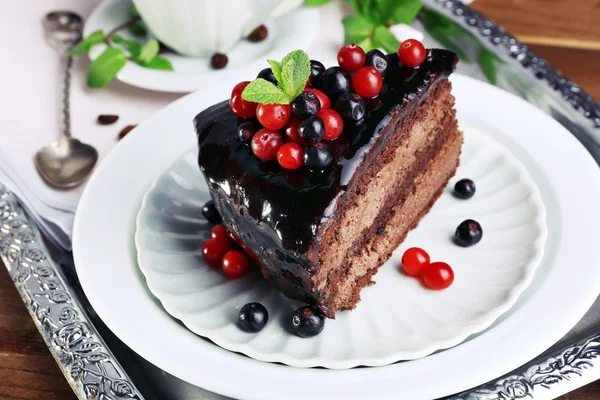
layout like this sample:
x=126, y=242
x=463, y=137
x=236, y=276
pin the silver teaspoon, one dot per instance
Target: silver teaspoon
x=67, y=162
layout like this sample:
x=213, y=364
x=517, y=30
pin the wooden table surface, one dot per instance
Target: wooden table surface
x=563, y=32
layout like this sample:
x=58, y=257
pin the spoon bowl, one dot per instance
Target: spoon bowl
x=66, y=163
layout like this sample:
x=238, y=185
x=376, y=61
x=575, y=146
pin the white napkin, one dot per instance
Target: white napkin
x=30, y=74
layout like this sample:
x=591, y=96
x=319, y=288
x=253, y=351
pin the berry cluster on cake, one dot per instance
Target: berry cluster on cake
x=320, y=173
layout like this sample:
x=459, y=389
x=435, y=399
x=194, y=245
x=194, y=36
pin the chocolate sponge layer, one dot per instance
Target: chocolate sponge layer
x=397, y=189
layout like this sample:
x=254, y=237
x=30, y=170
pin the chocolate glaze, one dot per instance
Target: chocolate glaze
x=279, y=214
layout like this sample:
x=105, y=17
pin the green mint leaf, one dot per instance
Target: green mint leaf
x=86, y=44
x=138, y=29
x=133, y=11
x=401, y=12
x=316, y=3
x=262, y=91
x=360, y=7
x=134, y=48
x=159, y=63
x=148, y=52
x=385, y=39
x=276, y=68
x=369, y=10
x=104, y=68
x=356, y=29
x=295, y=71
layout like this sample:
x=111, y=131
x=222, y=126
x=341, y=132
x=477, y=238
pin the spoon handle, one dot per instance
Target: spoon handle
x=66, y=98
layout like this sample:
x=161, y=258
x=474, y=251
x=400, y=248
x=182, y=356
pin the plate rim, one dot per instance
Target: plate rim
x=344, y=383
x=155, y=78
x=317, y=361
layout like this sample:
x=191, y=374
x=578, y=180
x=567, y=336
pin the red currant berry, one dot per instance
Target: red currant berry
x=235, y=264
x=334, y=125
x=239, y=106
x=367, y=82
x=323, y=99
x=219, y=232
x=273, y=116
x=414, y=260
x=265, y=144
x=438, y=276
x=213, y=250
x=351, y=57
x=291, y=132
x=411, y=53
x=290, y=156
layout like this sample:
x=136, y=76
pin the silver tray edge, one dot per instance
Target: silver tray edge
x=87, y=363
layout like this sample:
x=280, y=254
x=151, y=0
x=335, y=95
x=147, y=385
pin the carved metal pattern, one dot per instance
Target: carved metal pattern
x=87, y=363
x=568, y=364
x=502, y=42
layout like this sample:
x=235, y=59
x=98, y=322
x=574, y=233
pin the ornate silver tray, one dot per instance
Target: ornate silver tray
x=98, y=366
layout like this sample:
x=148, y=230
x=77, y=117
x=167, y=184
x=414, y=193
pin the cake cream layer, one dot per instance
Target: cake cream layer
x=389, y=181
x=283, y=216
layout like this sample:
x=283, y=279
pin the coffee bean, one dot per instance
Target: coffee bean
x=259, y=34
x=125, y=131
x=219, y=61
x=105, y=119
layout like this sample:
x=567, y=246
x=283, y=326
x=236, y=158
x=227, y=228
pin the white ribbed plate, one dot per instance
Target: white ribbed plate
x=397, y=319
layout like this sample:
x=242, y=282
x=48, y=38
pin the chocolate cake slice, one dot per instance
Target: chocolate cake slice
x=320, y=236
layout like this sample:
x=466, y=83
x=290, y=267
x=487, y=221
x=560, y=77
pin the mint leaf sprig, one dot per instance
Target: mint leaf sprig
x=369, y=28
x=291, y=74
x=104, y=68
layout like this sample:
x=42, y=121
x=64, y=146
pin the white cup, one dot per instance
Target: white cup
x=200, y=28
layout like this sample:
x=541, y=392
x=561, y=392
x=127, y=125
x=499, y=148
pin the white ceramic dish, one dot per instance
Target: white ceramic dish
x=564, y=286
x=397, y=319
x=295, y=30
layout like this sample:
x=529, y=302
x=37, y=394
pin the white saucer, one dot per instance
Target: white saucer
x=397, y=319
x=564, y=286
x=295, y=30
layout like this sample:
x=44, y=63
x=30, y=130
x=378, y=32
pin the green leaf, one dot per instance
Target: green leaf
x=356, y=29
x=138, y=29
x=263, y=91
x=405, y=13
x=133, y=11
x=148, y=52
x=447, y=32
x=316, y=3
x=134, y=48
x=86, y=44
x=374, y=13
x=159, y=63
x=385, y=39
x=104, y=68
x=488, y=62
x=276, y=68
x=395, y=12
x=295, y=71
x=357, y=5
